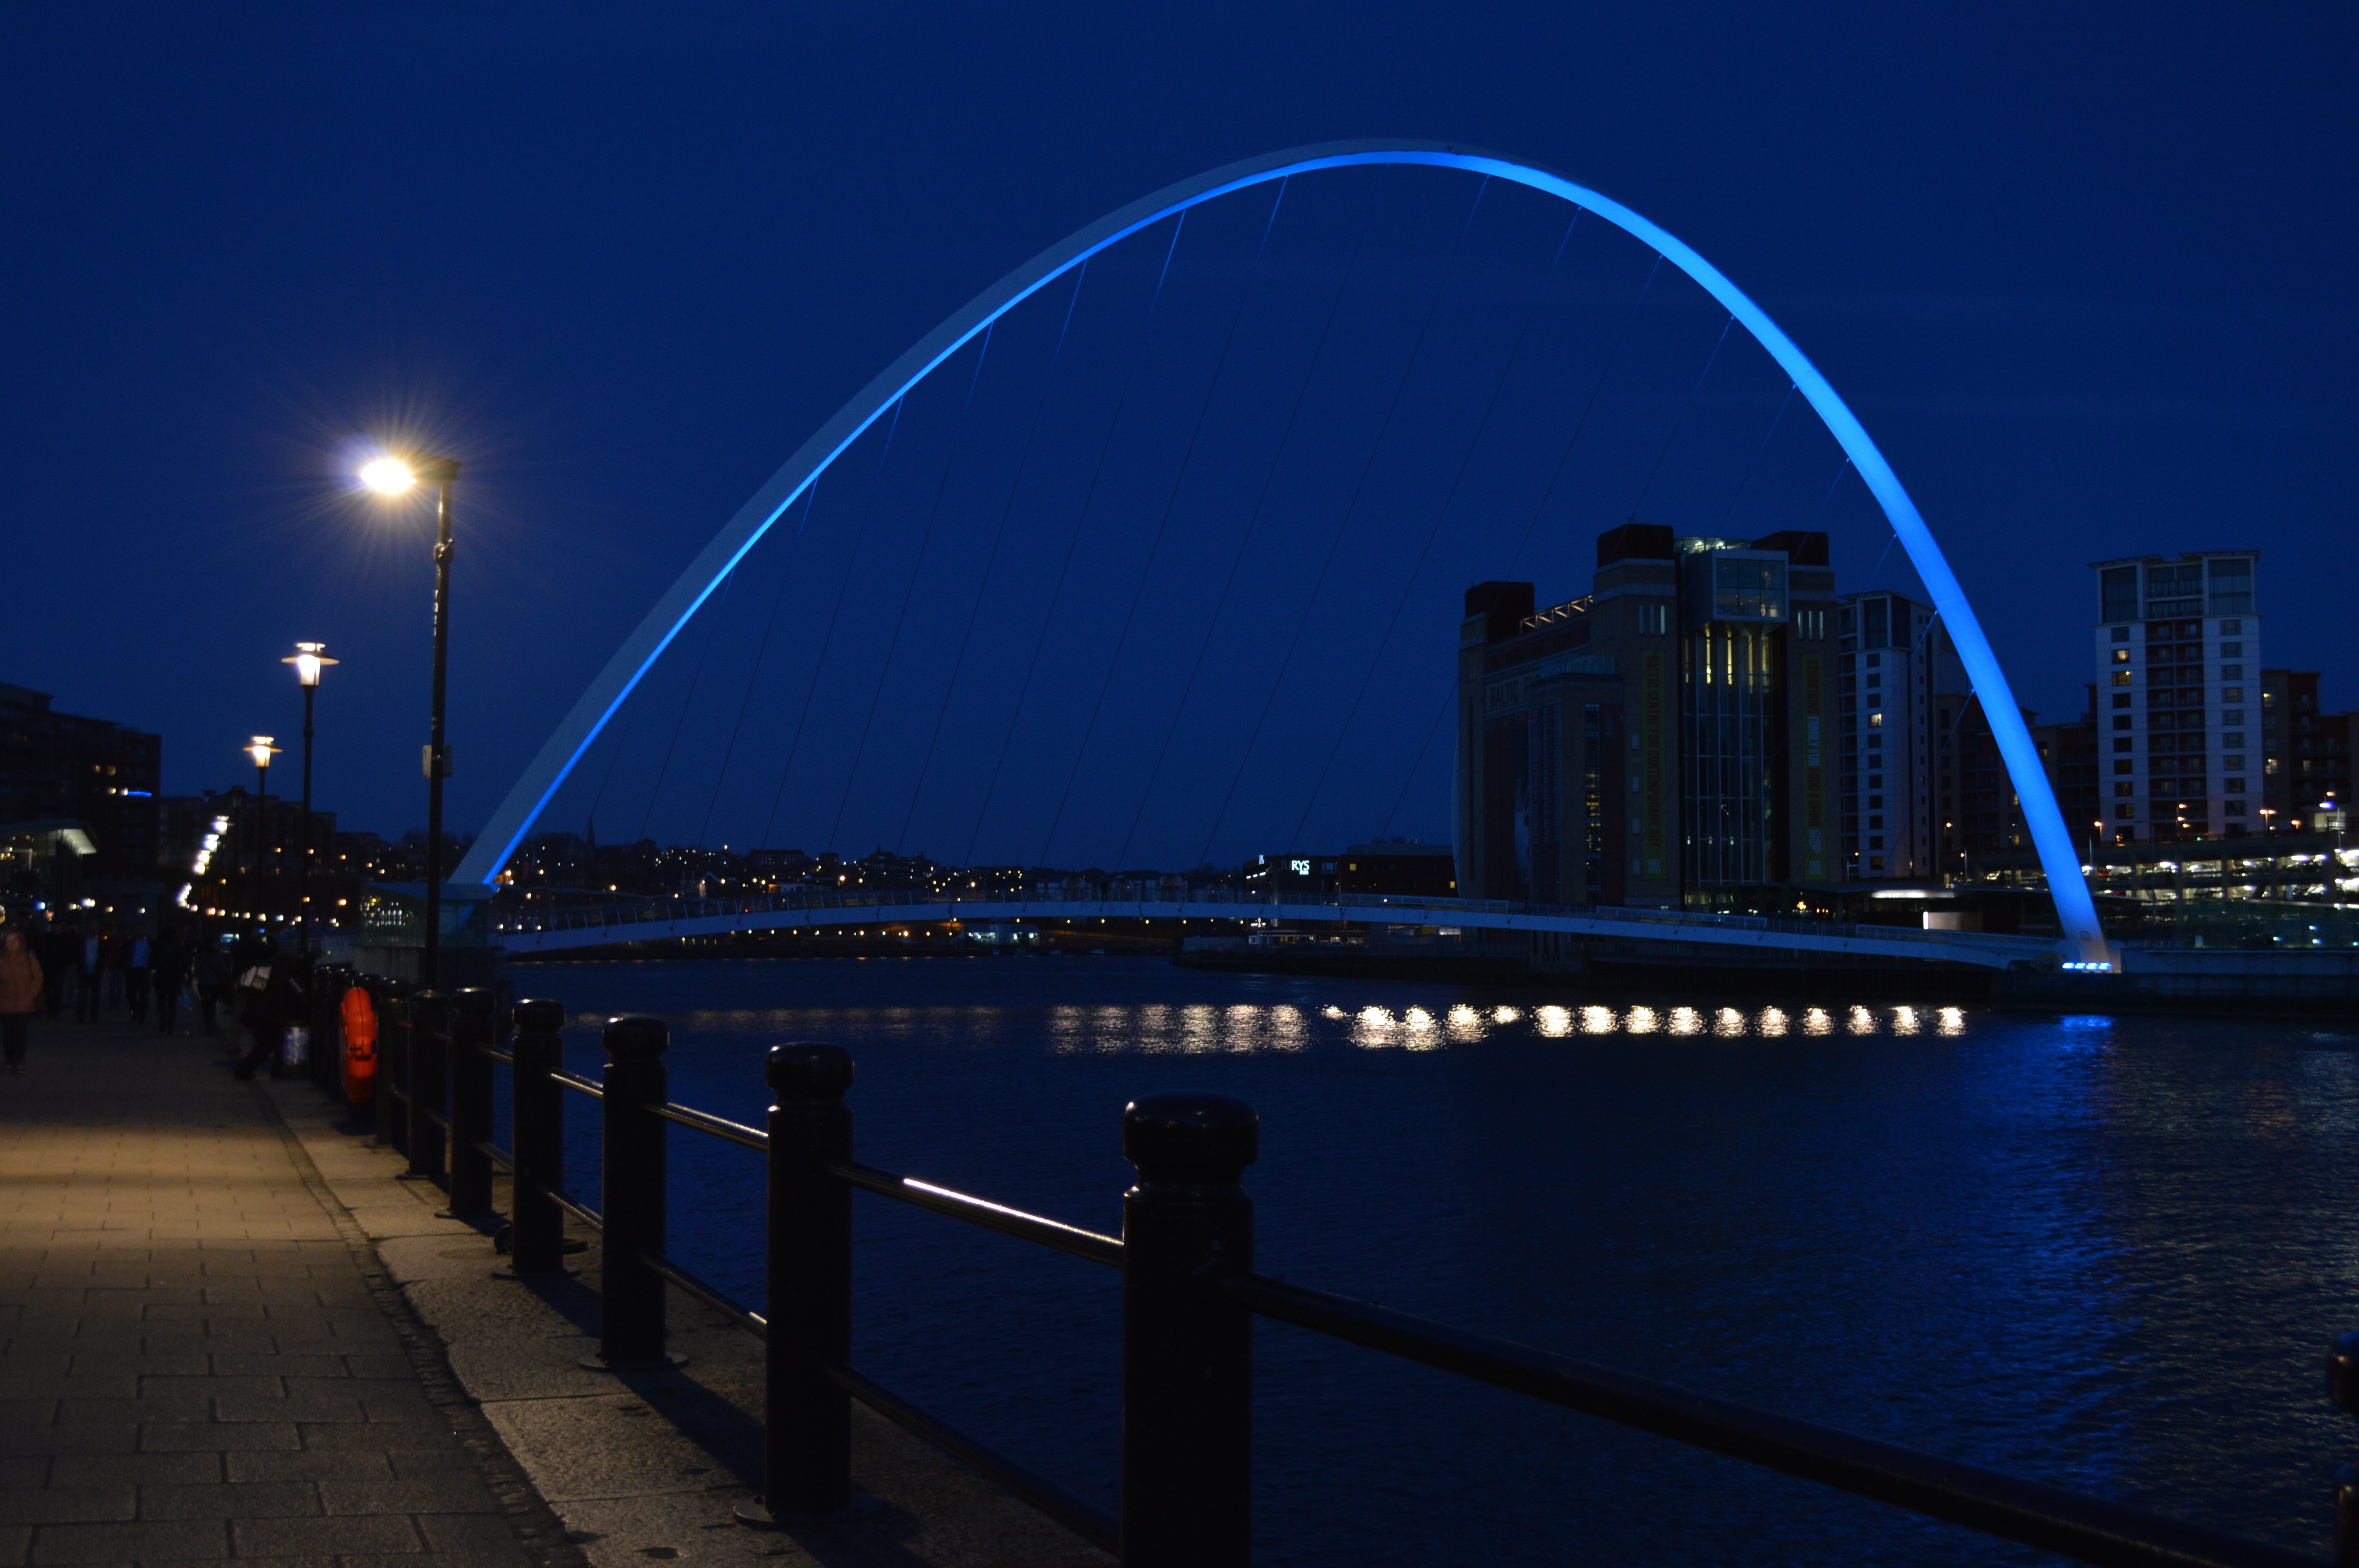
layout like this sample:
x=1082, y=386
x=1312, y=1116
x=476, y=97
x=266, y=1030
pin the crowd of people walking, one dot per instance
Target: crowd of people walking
x=123, y=972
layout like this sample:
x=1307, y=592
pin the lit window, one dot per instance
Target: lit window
x=2121, y=678
x=2120, y=655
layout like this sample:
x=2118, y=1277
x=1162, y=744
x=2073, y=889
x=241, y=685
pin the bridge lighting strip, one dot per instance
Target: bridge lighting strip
x=2075, y=909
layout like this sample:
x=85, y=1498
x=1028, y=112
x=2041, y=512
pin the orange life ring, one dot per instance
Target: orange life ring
x=360, y=1046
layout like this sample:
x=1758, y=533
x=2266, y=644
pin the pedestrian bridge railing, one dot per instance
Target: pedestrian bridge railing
x=1189, y=1293
x=661, y=919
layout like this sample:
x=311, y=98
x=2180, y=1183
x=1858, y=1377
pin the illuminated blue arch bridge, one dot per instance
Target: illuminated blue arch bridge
x=875, y=414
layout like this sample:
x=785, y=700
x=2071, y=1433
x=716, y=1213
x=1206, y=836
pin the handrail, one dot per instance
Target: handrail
x=1094, y=1525
x=2031, y=1512
x=579, y=1084
x=1053, y=1234
x=675, y=910
x=711, y=1295
x=705, y=1121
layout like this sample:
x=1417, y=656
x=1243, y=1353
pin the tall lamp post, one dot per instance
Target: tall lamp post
x=395, y=476
x=261, y=750
x=308, y=659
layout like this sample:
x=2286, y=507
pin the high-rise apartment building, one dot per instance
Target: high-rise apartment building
x=2179, y=673
x=2306, y=752
x=1666, y=740
x=1895, y=660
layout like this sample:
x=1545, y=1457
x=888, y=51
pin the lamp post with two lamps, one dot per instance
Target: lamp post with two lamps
x=261, y=750
x=308, y=659
x=395, y=476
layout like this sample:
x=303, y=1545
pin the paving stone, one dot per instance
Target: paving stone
x=217, y=1436
x=137, y=1469
x=341, y=1535
x=68, y=1505
x=251, y=1500
x=353, y=1466
x=123, y=1439
x=127, y=1542
x=447, y=1492
x=301, y=1363
x=478, y=1538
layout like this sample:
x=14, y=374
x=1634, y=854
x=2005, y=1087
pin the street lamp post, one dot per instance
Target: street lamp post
x=308, y=659
x=261, y=750
x=393, y=476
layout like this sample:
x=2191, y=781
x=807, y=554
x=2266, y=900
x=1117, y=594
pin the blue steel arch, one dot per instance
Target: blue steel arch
x=513, y=819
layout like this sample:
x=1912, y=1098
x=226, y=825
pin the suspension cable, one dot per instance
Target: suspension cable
x=827, y=640
x=752, y=673
x=1345, y=523
x=1440, y=516
x=983, y=581
x=1244, y=296
x=1612, y=357
x=1253, y=521
x=1539, y=509
x=711, y=636
x=1679, y=421
x=1747, y=478
x=1057, y=594
x=909, y=592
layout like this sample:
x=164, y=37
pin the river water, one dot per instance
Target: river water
x=2105, y=1252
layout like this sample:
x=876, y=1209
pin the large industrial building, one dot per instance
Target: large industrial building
x=1667, y=739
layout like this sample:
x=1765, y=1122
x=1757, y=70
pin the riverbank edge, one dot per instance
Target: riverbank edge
x=639, y=1467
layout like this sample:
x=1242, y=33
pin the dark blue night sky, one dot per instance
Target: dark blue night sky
x=2086, y=276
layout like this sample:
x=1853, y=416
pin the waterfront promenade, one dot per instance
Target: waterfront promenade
x=203, y=1359
x=232, y=1331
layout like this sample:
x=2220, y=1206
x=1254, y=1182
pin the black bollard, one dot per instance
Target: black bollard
x=807, y=1461
x=392, y=1064
x=2343, y=1390
x=387, y=1115
x=632, y=1335
x=430, y=1018
x=472, y=1026
x=330, y=982
x=537, y=1111
x=1187, y=1352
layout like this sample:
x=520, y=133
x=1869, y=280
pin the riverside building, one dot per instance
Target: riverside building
x=2179, y=673
x=1667, y=739
x=1894, y=662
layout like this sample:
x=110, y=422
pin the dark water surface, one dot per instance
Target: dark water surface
x=2103, y=1252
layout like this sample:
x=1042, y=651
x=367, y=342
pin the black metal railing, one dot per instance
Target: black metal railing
x=1189, y=1293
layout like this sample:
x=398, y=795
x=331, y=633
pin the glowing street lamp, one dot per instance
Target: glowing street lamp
x=260, y=751
x=308, y=659
x=391, y=475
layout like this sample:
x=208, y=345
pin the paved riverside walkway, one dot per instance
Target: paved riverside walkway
x=231, y=1330
x=200, y=1358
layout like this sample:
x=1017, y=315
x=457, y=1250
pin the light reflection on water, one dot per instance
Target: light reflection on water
x=1244, y=1028
x=2102, y=1224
